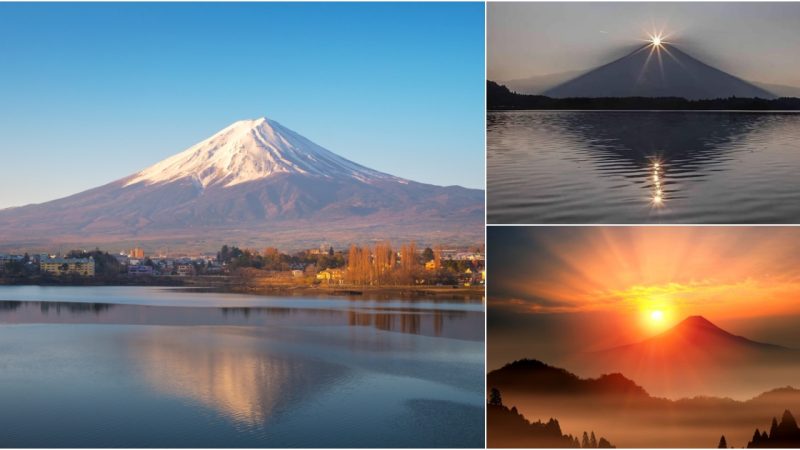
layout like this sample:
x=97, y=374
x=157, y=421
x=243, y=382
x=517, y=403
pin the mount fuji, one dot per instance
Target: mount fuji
x=657, y=71
x=252, y=183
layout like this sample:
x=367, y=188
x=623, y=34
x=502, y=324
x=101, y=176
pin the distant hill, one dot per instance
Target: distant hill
x=499, y=98
x=507, y=428
x=535, y=376
x=658, y=71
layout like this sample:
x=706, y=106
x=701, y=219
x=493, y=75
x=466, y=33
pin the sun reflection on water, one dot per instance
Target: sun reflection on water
x=657, y=192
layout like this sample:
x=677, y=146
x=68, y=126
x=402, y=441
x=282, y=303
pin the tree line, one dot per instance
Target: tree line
x=499, y=97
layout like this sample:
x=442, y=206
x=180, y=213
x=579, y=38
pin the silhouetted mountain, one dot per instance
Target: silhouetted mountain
x=499, y=97
x=507, y=428
x=668, y=364
x=785, y=434
x=536, y=376
x=662, y=71
x=697, y=331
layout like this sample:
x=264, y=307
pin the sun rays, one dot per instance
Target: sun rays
x=657, y=42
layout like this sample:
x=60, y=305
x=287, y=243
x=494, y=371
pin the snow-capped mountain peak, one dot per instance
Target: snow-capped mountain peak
x=250, y=150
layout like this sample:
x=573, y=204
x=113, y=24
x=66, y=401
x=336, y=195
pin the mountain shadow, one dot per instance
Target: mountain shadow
x=785, y=434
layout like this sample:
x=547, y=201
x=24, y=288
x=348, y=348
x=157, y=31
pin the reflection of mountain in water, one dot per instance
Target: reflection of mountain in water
x=233, y=374
x=686, y=142
x=658, y=148
x=453, y=324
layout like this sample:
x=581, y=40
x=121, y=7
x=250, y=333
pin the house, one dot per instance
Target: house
x=64, y=266
x=184, y=270
x=331, y=276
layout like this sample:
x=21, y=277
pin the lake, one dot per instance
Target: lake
x=155, y=367
x=587, y=167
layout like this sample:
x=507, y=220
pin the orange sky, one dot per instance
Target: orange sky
x=723, y=273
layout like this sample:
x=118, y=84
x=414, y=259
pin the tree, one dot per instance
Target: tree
x=427, y=254
x=585, y=440
x=495, y=399
x=722, y=442
x=593, y=441
x=774, y=427
x=330, y=251
x=604, y=443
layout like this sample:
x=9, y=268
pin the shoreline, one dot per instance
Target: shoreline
x=256, y=287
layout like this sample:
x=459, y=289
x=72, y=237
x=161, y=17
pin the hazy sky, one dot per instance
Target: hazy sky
x=755, y=41
x=566, y=288
x=92, y=92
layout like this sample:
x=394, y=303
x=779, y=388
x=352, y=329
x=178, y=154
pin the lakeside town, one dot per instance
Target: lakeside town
x=375, y=266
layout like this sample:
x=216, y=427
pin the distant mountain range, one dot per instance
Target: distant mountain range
x=648, y=71
x=626, y=413
x=252, y=183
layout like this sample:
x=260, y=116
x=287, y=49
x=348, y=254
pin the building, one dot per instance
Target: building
x=5, y=259
x=184, y=270
x=65, y=266
x=137, y=253
x=140, y=270
x=331, y=276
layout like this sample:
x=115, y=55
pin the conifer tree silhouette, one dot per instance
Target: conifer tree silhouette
x=495, y=398
x=722, y=442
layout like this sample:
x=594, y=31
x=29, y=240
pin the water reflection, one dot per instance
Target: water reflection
x=231, y=374
x=657, y=169
x=453, y=324
x=596, y=167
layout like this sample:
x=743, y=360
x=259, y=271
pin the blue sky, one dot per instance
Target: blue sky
x=94, y=92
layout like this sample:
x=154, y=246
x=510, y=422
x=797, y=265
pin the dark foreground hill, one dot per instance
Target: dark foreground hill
x=785, y=434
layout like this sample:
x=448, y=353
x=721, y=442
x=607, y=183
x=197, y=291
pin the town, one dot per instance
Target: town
x=356, y=266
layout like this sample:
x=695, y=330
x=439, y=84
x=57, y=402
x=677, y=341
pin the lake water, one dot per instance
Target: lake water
x=643, y=167
x=152, y=367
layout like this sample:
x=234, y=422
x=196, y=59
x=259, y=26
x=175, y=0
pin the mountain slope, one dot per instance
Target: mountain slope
x=663, y=71
x=696, y=357
x=252, y=181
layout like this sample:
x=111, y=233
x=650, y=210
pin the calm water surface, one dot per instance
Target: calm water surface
x=150, y=367
x=643, y=167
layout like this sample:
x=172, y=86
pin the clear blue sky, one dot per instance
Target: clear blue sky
x=90, y=92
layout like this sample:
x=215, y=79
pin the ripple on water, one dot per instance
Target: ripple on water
x=598, y=167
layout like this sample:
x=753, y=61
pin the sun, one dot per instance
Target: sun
x=657, y=315
x=656, y=40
